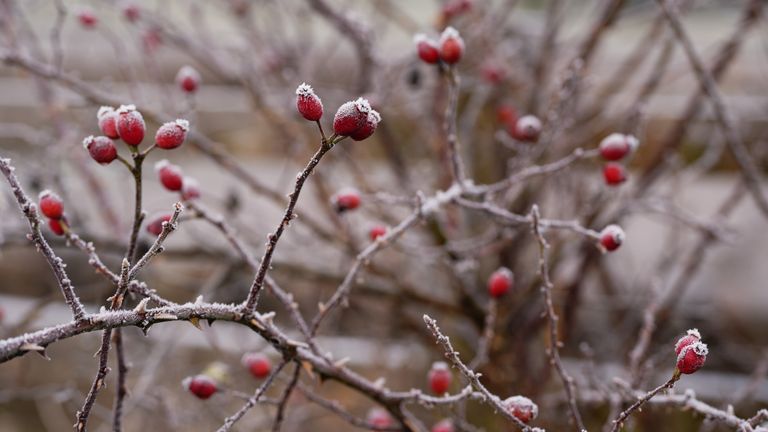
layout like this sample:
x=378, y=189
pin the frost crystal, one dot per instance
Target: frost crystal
x=362, y=105
x=305, y=90
x=183, y=124
x=124, y=109
x=449, y=33
x=103, y=111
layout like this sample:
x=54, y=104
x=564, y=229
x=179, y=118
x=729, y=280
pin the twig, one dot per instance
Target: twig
x=231, y=420
x=284, y=398
x=618, y=423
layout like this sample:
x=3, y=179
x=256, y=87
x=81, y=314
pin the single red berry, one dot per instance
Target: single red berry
x=492, y=72
x=616, y=146
x=451, y=46
x=611, y=237
x=56, y=226
x=379, y=418
x=692, y=357
x=107, y=118
x=439, y=377
x=131, y=11
x=188, y=79
x=351, y=116
x=201, y=386
x=151, y=40
x=130, y=125
x=377, y=231
x=506, y=114
x=87, y=18
x=501, y=281
x=427, y=49
x=445, y=425
x=346, y=199
x=258, y=364
x=522, y=408
x=371, y=122
x=614, y=174
x=308, y=103
x=190, y=189
x=527, y=129
x=155, y=225
x=50, y=204
x=455, y=8
x=691, y=336
x=172, y=134
x=101, y=149
x=170, y=175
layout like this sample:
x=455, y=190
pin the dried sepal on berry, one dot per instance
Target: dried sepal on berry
x=308, y=103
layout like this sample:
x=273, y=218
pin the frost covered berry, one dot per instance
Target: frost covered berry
x=258, y=364
x=87, y=18
x=56, y=226
x=614, y=174
x=616, y=146
x=369, y=127
x=690, y=337
x=445, y=425
x=170, y=175
x=379, y=418
x=501, y=281
x=521, y=408
x=201, y=386
x=451, y=46
x=351, y=116
x=692, y=357
x=101, y=149
x=611, y=237
x=188, y=79
x=107, y=118
x=172, y=134
x=439, y=377
x=427, y=49
x=155, y=225
x=527, y=129
x=308, y=103
x=346, y=199
x=50, y=205
x=377, y=231
x=130, y=125
x=190, y=189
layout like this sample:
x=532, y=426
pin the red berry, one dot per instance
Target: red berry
x=522, y=408
x=308, y=103
x=131, y=11
x=56, y=226
x=456, y=7
x=172, y=134
x=371, y=122
x=107, y=118
x=155, y=226
x=616, y=146
x=151, y=39
x=50, y=205
x=444, y=425
x=611, y=237
x=614, y=174
x=527, y=129
x=427, y=49
x=87, y=18
x=492, y=72
x=692, y=357
x=377, y=231
x=440, y=378
x=258, y=364
x=101, y=148
x=190, y=189
x=346, y=199
x=451, y=46
x=506, y=115
x=379, y=418
x=691, y=336
x=501, y=281
x=351, y=116
x=130, y=125
x=170, y=175
x=201, y=386
x=188, y=79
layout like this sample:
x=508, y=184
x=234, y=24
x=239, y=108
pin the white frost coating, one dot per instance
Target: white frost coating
x=694, y=332
x=46, y=192
x=87, y=141
x=614, y=140
x=700, y=348
x=450, y=33
x=362, y=105
x=183, y=124
x=615, y=232
x=522, y=402
x=305, y=90
x=421, y=37
x=632, y=142
x=161, y=164
x=124, y=109
x=104, y=111
x=440, y=365
x=188, y=72
x=374, y=117
x=529, y=122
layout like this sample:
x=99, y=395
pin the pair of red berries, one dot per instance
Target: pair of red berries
x=173, y=179
x=448, y=50
x=613, y=148
x=691, y=352
x=525, y=129
x=203, y=386
x=52, y=207
x=355, y=119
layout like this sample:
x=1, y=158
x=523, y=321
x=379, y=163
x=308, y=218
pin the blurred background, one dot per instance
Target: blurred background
x=696, y=241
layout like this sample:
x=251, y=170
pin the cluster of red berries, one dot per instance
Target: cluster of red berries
x=524, y=129
x=447, y=50
x=614, y=148
x=204, y=386
x=691, y=352
x=355, y=119
x=52, y=207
